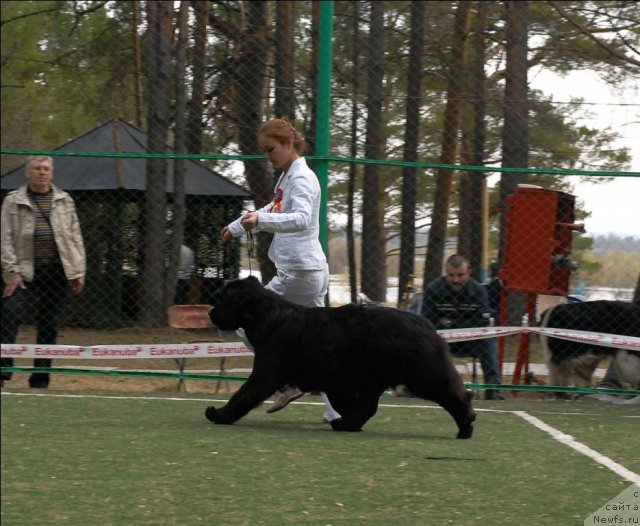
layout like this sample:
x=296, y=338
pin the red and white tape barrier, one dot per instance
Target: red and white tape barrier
x=630, y=343
x=120, y=352
x=219, y=350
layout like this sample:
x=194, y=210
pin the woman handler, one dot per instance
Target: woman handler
x=302, y=273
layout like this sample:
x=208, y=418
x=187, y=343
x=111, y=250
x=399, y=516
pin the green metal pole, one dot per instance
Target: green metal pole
x=323, y=102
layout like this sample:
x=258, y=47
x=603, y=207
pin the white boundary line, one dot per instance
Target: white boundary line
x=568, y=440
x=225, y=400
x=114, y=397
x=297, y=402
x=561, y=437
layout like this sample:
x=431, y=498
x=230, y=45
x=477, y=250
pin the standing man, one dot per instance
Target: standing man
x=456, y=301
x=42, y=257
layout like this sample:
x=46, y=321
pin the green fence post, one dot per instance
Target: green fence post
x=323, y=102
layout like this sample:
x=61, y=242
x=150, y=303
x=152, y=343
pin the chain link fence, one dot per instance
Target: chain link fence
x=418, y=119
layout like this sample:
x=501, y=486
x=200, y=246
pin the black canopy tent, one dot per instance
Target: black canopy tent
x=109, y=194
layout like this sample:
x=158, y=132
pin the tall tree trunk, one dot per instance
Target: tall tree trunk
x=478, y=213
x=374, y=265
x=464, y=190
x=249, y=80
x=312, y=83
x=472, y=239
x=285, y=103
x=353, y=168
x=179, y=165
x=412, y=132
x=199, y=63
x=515, y=132
x=449, y=152
x=137, y=63
x=158, y=102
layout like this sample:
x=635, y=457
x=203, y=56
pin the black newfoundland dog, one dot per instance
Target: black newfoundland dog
x=353, y=353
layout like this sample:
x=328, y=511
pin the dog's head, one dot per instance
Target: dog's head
x=236, y=302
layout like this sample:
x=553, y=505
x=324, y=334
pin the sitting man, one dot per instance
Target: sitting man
x=457, y=301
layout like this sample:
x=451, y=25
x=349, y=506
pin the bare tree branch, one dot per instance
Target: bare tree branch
x=614, y=53
x=27, y=15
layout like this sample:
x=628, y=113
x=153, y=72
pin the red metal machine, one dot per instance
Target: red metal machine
x=538, y=236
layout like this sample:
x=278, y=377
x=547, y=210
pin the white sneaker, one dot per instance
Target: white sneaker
x=284, y=399
x=330, y=413
x=329, y=417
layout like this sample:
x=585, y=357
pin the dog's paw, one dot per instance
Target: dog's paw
x=211, y=413
x=339, y=424
x=215, y=416
x=465, y=432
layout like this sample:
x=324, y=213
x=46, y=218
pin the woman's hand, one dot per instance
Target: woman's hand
x=249, y=221
x=225, y=234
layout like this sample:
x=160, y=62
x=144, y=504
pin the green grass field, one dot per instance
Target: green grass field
x=74, y=459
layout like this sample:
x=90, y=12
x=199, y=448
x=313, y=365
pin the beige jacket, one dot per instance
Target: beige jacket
x=18, y=227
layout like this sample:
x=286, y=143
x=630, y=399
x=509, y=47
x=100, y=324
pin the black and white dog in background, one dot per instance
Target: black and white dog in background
x=571, y=362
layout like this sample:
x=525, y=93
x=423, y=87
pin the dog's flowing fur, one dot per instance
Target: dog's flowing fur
x=353, y=353
x=574, y=362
